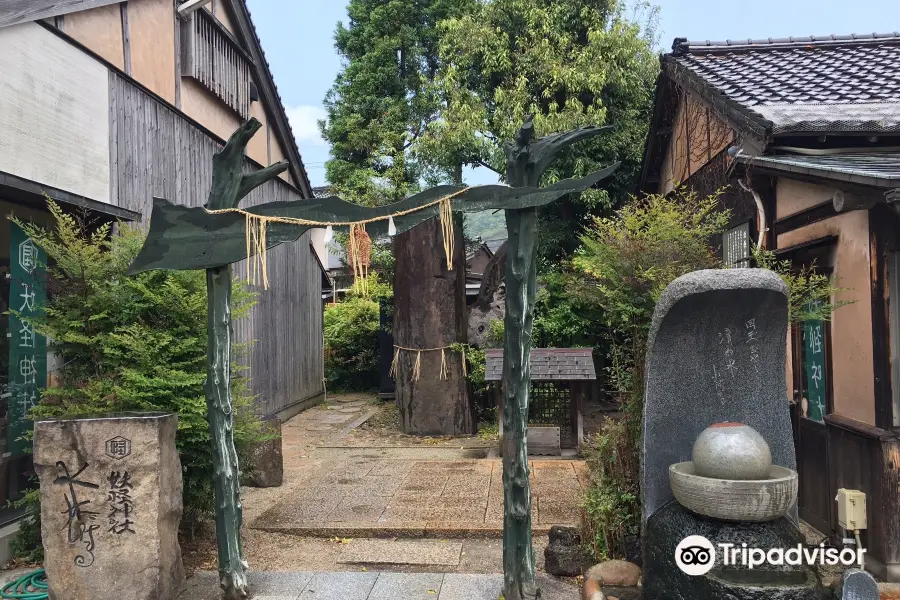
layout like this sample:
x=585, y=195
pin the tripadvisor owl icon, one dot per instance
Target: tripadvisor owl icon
x=695, y=555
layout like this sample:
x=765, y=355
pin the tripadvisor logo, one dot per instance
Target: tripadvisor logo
x=696, y=555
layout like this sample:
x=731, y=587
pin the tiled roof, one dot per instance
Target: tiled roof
x=322, y=191
x=874, y=169
x=547, y=364
x=831, y=83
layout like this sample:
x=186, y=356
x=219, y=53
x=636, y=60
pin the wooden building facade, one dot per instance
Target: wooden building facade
x=804, y=136
x=104, y=105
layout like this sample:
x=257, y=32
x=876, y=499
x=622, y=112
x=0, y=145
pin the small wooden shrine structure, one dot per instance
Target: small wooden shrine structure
x=561, y=378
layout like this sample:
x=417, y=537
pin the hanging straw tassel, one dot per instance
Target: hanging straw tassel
x=463, y=351
x=256, y=246
x=392, y=229
x=364, y=247
x=248, y=235
x=394, y=363
x=446, y=212
x=262, y=253
x=354, y=256
x=444, y=370
x=417, y=367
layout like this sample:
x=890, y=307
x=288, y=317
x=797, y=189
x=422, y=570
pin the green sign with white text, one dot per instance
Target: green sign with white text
x=27, y=349
x=814, y=368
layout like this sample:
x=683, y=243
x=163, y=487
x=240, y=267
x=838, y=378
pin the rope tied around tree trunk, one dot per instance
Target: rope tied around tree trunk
x=360, y=243
x=417, y=364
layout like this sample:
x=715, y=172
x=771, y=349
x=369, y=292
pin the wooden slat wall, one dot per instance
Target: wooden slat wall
x=210, y=57
x=154, y=151
x=862, y=457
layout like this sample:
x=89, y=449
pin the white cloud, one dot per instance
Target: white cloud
x=304, y=121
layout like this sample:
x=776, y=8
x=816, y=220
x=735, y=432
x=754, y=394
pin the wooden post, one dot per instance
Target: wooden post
x=526, y=161
x=518, y=557
x=521, y=285
x=219, y=405
x=229, y=186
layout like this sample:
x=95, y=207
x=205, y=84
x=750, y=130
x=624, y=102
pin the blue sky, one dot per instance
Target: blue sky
x=297, y=36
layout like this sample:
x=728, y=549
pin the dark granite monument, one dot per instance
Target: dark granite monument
x=716, y=353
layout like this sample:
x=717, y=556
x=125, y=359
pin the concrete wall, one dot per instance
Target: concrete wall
x=201, y=105
x=54, y=112
x=851, y=326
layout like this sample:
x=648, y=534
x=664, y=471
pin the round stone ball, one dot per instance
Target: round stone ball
x=732, y=451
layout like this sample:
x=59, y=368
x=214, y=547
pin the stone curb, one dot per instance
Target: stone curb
x=375, y=531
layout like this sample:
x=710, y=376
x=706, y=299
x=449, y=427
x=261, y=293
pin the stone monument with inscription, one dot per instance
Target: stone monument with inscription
x=110, y=506
x=716, y=357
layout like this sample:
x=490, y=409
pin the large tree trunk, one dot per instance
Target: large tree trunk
x=430, y=312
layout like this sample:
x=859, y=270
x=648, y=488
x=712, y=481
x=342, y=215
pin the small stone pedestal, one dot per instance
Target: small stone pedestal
x=110, y=506
x=267, y=462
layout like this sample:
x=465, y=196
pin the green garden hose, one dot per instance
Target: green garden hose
x=31, y=586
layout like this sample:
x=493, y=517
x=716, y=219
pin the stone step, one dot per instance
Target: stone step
x=375, y=530
x=400, y=452
x=402, y=552
x=357, y=585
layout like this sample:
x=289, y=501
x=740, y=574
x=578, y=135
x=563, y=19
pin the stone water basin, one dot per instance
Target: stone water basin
x=734, y=499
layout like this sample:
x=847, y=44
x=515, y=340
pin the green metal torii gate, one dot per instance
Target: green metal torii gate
x=185, y=238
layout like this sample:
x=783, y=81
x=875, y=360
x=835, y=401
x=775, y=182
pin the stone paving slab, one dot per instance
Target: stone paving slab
x=402, y=552
x=460, y=586
x=339, y=586
x=360, y=493
x=407, y=586
x=352, y=585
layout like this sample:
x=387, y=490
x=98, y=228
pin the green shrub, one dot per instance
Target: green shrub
x=623, y=265
x=610, y=502
x=27, y=545
x=811, y=294
x=351, y=343
x=134, y=343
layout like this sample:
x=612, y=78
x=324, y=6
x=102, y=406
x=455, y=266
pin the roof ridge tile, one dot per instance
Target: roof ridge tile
x=685, y=46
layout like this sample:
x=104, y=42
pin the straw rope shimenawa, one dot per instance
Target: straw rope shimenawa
x=417, y=365
x=360, y=245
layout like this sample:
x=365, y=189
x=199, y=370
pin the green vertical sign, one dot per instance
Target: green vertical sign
x=814, y=368
x=27, y=349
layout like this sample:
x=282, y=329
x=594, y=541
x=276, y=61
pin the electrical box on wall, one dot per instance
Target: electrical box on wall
x=851, y=509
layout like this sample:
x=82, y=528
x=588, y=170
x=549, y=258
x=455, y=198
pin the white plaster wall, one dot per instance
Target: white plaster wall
x=54, y=112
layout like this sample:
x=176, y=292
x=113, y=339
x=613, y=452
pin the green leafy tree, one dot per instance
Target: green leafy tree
x=133, y=342
x=569, y=62
x=384, y=97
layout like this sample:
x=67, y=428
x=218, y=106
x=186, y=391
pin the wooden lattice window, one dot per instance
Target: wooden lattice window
x=550, y=405
x=211, y=55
